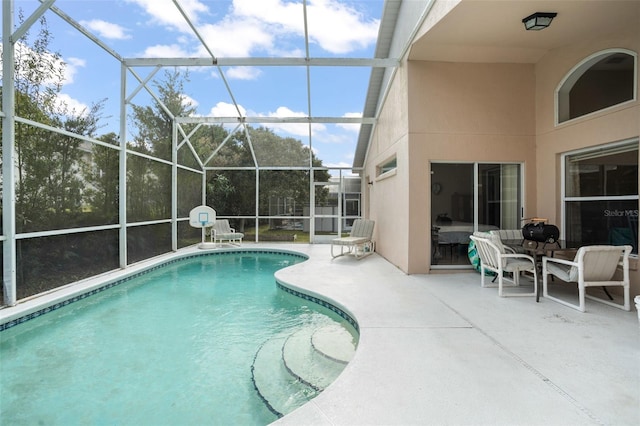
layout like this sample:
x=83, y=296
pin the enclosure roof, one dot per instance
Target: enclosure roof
x=300, y=67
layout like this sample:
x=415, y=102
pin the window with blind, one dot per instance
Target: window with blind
x=601, y=195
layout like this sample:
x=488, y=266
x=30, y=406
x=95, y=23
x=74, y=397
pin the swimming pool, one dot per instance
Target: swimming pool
x=174, y=345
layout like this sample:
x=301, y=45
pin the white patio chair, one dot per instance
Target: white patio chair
x=494, y=257
x=359, y=242
x=592, y=266
x=222, y=231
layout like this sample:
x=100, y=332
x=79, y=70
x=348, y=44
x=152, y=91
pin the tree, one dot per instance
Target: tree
x=149, y=182
x=102, y=174
x=51, y=186
x=232, y=192
x=49, y=181
x=39, y=72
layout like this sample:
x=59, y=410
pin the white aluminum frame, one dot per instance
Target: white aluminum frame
x=179, y=137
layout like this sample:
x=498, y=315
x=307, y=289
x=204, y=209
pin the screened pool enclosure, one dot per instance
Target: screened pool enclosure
x=119, y=117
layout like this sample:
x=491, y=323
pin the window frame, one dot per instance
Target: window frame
x=578, y=71
x=384, y=171
x=564, y=199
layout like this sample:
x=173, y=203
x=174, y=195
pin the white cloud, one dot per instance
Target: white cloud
x=56, y=70
x=224, y=109
x=71, y=68
x=339, y=28
x=67, y=103
x=47, y=65
x=335, y=27
x=165, y=12
x=351, y=127
x=270, y=26
x=286, y=112
x=234, y=37
x=296, y=129
x=319, y=131
x=189, y=101
x=243, y=73
x=165, y=51
x=286, y=15
x=106, y=29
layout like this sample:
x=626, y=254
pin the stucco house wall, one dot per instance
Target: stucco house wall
x=464, y=112
x=389, y=194
x=486, y=112
x=621, y=122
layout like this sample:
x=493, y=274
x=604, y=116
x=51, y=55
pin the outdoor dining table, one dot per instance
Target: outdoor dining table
x=538, y=249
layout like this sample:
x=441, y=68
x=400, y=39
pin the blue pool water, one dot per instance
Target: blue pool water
x=170, y=347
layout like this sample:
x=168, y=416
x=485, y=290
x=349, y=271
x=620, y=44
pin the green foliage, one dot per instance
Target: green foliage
x=102, y=193
x=154, y=124
x=232, y=192
x=49, y=165
x=39, y=73
x=149, y=182
x=52, y=174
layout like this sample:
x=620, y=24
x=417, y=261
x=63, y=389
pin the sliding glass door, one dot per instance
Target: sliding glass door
x=466, y=197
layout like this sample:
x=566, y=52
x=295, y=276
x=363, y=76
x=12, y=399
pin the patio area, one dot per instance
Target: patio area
x=439, y=349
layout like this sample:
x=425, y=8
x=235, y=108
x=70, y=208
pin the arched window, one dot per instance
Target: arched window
x=601, y=81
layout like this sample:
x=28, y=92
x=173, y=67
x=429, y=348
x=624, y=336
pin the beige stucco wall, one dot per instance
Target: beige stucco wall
x=389, y=196
x=615, y=124
x=438, y=111
x=468, y=112
x=464, y=112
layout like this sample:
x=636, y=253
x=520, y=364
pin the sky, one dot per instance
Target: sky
x=231, y=29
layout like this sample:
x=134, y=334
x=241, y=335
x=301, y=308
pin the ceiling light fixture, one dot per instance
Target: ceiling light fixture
x=538, y=21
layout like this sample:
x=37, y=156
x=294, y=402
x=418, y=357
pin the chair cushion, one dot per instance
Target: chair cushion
x=566, y=273
x=230, y=235
x=517, y=265
x=348, y=241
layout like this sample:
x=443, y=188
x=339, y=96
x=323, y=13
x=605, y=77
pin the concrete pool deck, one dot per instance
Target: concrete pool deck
x=439, y=349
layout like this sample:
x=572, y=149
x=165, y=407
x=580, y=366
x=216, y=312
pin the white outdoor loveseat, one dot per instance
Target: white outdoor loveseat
x=359, y=242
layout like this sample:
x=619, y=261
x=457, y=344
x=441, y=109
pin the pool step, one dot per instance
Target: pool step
x=281, y=392
x=334, y=342
x=289, y=371
x=304, y=360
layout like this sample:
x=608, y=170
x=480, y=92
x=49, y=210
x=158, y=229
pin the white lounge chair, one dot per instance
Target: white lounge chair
x=222, y=231
x=496, y=258
x=592, y=266
x=359, y=242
